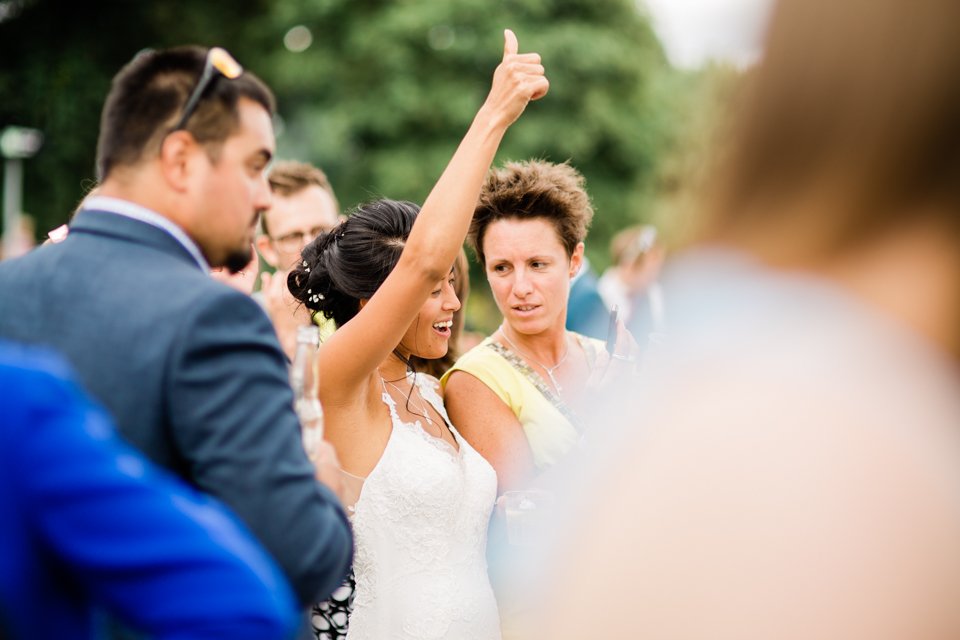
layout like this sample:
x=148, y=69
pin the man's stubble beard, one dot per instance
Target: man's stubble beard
x=237, y=260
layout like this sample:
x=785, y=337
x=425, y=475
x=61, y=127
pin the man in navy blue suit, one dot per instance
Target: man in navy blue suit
x=190, y=369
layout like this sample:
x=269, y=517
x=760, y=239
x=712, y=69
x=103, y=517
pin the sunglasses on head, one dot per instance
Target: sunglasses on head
x=218, y=63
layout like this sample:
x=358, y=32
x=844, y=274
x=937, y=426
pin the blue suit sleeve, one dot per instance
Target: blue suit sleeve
x=159, y=556
x=232, y=417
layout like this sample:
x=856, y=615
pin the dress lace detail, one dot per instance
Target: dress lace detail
x=420, y=525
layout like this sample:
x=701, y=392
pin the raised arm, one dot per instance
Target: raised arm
x=356, y=349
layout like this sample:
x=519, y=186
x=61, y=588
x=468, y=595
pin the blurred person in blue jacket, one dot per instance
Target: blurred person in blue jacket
x=91, y=527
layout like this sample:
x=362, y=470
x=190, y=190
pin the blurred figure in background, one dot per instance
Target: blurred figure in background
x=587, y=313
x=24, y=238
x=630, y=283
x=791, y=468
x=89, y=524
x=304, y=206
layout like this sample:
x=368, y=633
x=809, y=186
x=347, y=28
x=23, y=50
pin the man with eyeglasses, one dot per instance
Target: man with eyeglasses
x=189, y=368
x=304, y=206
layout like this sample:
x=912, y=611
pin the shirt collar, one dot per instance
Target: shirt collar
x=148, y=216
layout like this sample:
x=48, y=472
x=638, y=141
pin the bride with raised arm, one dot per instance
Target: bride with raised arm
x=423, y=496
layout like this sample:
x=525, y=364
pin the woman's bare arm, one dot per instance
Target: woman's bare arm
x=358, y=347
x=491, y=428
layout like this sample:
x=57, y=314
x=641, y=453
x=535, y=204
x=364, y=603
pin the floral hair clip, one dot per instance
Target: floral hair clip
x=316, y=297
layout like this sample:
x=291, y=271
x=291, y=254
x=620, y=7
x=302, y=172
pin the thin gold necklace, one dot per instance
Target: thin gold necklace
x=422, y=410
x=549, y=370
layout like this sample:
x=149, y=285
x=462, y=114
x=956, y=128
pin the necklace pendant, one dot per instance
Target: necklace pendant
x=556, y=385
x=549, y=370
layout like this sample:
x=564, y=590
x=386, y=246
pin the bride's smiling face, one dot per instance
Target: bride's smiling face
x=428, y=336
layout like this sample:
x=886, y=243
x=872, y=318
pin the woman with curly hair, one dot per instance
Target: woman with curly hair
x=520, y=396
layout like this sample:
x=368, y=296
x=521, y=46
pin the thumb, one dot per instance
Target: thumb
x=510, y=45
x=265, y=280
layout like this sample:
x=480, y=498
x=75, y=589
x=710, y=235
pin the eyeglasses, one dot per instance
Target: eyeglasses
x=296, y=240
x=218, y=63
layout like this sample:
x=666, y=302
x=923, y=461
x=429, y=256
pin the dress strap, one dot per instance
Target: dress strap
x=538, y=382
x=430, y=396
x=352, y=487
x=391, y=404
x=428, y=391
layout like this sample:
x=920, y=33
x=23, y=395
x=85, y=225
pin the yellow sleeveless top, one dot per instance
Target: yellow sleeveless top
x=550, y=428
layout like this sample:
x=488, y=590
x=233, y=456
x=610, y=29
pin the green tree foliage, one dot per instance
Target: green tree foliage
x=387, y=89
x=379, y=98
x=56, y=61
x=704, y=102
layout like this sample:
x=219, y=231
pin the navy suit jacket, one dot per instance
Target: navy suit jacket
x=192, y=374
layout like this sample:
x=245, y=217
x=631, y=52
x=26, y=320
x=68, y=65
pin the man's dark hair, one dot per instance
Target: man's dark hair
x=147, y=96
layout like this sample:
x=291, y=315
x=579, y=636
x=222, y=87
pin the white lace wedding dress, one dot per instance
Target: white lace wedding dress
x=420, y=525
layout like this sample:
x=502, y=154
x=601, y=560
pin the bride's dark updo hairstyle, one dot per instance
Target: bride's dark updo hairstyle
x=351, y=261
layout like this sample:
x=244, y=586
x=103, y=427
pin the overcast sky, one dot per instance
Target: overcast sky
x=695, y=31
